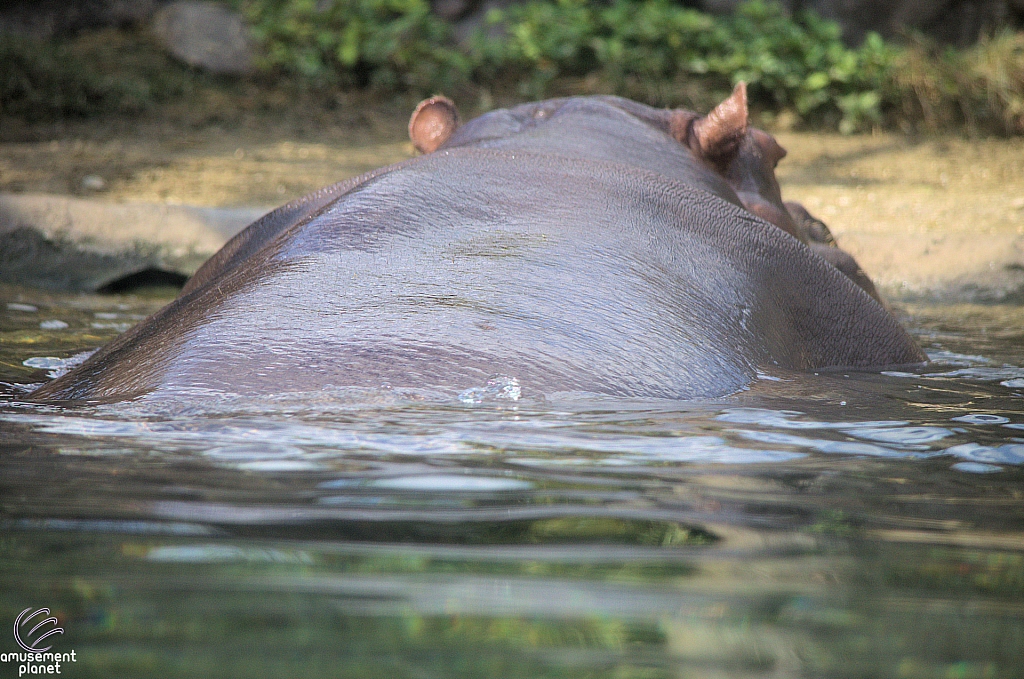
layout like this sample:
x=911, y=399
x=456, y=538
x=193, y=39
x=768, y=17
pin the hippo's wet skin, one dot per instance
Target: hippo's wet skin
x=589, y=244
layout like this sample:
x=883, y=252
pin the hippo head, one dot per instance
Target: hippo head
x=738, y=161
x=744, y=155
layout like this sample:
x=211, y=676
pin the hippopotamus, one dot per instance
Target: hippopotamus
x=583, y=244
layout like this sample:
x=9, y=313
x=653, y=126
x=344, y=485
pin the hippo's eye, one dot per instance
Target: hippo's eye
x=771, y=151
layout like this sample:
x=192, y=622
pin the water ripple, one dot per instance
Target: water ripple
x=784, y=419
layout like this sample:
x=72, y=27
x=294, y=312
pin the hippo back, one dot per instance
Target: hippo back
x=567, y=273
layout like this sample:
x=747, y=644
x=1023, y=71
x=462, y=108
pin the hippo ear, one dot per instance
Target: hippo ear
x=433, y=123
x=717, y=136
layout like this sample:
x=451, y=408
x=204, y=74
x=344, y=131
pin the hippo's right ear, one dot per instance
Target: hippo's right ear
x=717, y=136
x=433, y=123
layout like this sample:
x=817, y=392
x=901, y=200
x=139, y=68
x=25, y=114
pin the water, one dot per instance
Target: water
x=831, y=525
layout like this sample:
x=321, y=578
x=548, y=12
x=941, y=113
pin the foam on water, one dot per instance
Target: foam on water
x=56, y=366
x=499, y=388
x=531, y=433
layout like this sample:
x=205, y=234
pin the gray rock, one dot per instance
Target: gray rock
x=476, y=18
x=63, y=243
x=206, y=35
x=452, y=10
x=94, y=182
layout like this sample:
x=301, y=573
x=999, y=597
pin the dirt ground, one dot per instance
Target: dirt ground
x=261, y=162
x=926, y=217
x=936, y=217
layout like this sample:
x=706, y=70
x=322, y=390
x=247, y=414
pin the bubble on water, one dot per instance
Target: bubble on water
x=451, y=482
x=15, y=306
x=43, y=362
x=94, y=182
x=473, y=395
x=499, y=388
x=698, y=449
x=983, y=374
x=56, y=366
x=635, y=450
x=976, y=467
x=822, y=445
x=899, y=439
x=899, y=373
x=784, y=419
x=1008, y=453
x=981, y=418
x=53, y=325
x=257, y=456
x=1015, y=383
x=906, y=436
x=953, y=358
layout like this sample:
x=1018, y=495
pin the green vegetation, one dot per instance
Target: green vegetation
x=384, y=44
x=652, y=50
x=656, y=51
x=790, y=63
x=96, y=74
x=40, y=78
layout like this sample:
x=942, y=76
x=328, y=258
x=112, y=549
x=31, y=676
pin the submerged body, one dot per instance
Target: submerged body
x=585, y=244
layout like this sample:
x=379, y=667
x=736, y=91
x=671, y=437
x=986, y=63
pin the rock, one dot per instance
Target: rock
x=206, y=35
x=452, y=10
x=93, y=182
x=64, y=243
x=475, y=18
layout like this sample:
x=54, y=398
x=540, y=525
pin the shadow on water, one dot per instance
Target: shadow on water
x=831, y=525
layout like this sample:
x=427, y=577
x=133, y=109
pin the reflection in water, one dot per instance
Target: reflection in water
x=831, y=525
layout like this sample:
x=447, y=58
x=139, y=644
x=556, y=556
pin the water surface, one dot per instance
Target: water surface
x=833, y=525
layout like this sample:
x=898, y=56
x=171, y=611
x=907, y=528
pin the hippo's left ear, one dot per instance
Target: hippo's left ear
x=433, y=123
x=717, y=136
